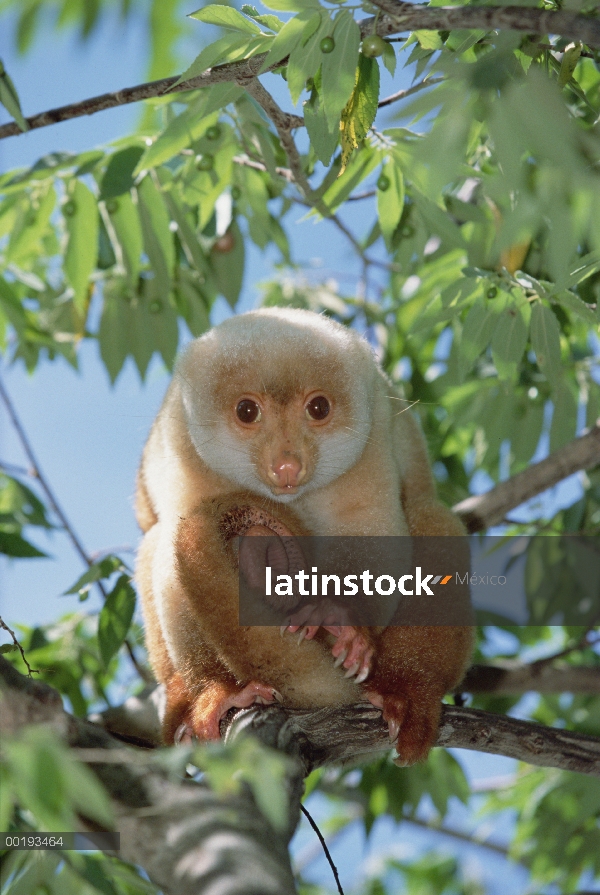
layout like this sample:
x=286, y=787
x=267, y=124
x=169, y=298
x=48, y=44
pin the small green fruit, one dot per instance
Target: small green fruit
x=383, y=182
x=236, y=193
x=213, y=133
x=155, y=306
x=492, y=292
x=373, y=45
x=327, y=45
x=407, y=230
x=112, y=206
x=69, y=208
x=205, y=162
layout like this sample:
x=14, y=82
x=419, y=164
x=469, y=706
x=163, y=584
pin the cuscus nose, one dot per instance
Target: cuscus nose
x=287, y=472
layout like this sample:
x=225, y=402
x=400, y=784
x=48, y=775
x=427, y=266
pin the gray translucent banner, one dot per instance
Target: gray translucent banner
x=419, y=581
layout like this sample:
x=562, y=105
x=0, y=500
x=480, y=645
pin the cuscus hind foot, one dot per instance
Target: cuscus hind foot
x=413, y=723
x=214, y=702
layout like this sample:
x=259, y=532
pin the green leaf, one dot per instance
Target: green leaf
x=477, y=331
x=12, y=544
x=360, y=112
x=359, y=167
x=225, y=17
x=286, y=40
x=214, y=53
x=291, y=5
x=97, y=571
x=569, y=62
x=156, y=231
x=306, y=57
x=31, y=226
x=323, y=141
x=228, y=268
x=136, y=322
x=545, y=341
x=269, y=21
x=390, y=202
x=526, y=434
x=119, y=175
x=115, y=618
x=438, y=221
x=125, y=231
x=576, y=305
x=510, y=337
x=389, y=58
x=82, y=246
x=429, y=40
x=564, y=417
x=10, y=98
x=338, y=74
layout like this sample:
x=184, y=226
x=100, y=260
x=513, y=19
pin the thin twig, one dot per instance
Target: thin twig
x=44, y=484
x=402, y=94
x=13, y=469
x=30, y=670
x=325, y=849
x=36, y=472
x=247, y=162
x=284, y=124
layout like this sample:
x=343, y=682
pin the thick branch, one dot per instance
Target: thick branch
x=484, y=510
x=354, y=733
x=409, y=17
x=514, y=678
x=137, y=719
x=401, y=17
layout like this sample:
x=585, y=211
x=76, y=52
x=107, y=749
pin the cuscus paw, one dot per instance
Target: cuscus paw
x=309, y=618
x=353, y=652
x=214, y=702
x=413, y=723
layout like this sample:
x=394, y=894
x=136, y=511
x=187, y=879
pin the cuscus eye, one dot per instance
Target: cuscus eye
x=248, y=411
x=318, y=408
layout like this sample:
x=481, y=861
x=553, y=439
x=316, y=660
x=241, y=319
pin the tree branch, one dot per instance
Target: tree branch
x=402, y=94
x=484, y=510
x=506, y=678
x=408, y=17
x=400, y=17
x=137, y=720
x=353, y=733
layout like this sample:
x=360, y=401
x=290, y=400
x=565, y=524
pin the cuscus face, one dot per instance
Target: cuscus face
x=278, y=401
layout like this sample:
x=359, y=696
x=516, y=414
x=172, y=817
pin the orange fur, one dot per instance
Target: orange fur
x=363, y=470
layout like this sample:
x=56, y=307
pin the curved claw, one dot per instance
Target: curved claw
x=352, y=670
x=362, y=675
x=340, y=659
x=302, y=635
x=184, y=735
x=394, y=728
x=282, y=630
x=277, y=695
